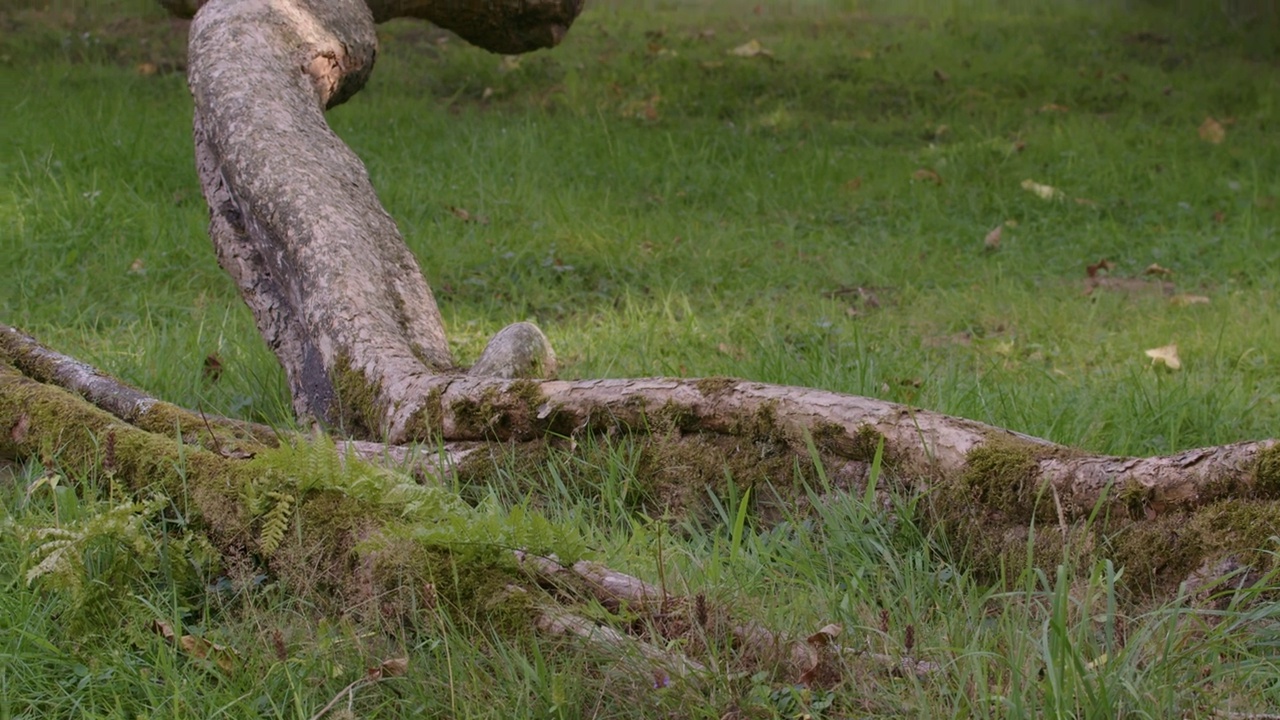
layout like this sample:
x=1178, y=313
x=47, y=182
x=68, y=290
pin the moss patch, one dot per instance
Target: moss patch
x=356, y=410
x=1266, y=474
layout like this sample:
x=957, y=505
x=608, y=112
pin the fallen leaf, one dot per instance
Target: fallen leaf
x=1044, y=192
x=147, y=68
x=137, y=268
x=927, y=175
x=1085, y=202
x=466, y=216
x=711, y=64
x=825, y=635
x=395, y=667
x=940, y=76
x=751, y=48
x=853, y=185
x=1053, y=108
x=1182, y=300
x=163, y=629
x=18, y=433
x=992, y=240
x=1166, y=356
x=1219, y=216
x=1103, y=264
x=202, y=649
x=1156, y=269
x=212, y=367
x=1211, y=131
x=732, y=351
x=1128, y=286
x=864, y=54
x=509, y=63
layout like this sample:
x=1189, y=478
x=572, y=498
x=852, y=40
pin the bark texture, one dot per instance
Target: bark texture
x=335, y=292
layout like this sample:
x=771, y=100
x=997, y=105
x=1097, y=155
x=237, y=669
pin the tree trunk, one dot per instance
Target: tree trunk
x=342, y=303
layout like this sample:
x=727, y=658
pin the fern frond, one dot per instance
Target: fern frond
x=275, y=522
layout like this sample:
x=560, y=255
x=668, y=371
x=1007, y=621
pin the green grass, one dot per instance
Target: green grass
x=661, y=207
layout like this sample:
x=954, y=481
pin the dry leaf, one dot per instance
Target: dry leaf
x=731, y=350
x=992, y=240
x=940, y=76
x=147, y=68
x=1053, y=107
x=825, y=635
x=1183, y=300
x=751, y=48
x=1156, y=269
x=1166, y=356
x=18, y=433
x=1094, y=269
x=509, y=63
x=1044, y=192
x=1211, y=131
x=163, y=629
x=853, y=185
x=137, y=268
x=927, y=175
x=864, y=54
x=212, y=367
x=395, y=667
x=198, y=647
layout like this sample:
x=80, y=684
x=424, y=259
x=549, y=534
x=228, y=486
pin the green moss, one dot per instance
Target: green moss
x=1135, y=498
x=426, y=424
x=1266, y=473
x=832, y=439
x=713, y=386
x=672, y=417
x=357, y=406
x=518, y=411
x=1001, y=476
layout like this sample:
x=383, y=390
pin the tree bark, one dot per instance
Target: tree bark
x=342, y=302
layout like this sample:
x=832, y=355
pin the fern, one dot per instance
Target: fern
x=432, y=516
x=275, y=522
x=60, y=557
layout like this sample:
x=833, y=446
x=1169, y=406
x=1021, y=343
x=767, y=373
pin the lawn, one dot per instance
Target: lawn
x=992, y=210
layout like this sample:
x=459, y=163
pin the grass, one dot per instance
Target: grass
x=662, y=207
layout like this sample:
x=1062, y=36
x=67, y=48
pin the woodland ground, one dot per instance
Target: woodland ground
x=664, y=198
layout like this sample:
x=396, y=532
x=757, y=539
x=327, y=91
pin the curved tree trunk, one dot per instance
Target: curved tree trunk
x=335, y=292
x=341, y=301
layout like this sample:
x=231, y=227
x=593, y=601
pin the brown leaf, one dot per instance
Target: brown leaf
x=927, y=175
x=1184, y=300
x=1054, y=108
x=1044, y=192
x=853, y=185
x=147, y=68
x=1219, y=216
x=751, y=48
x=1166, y=355
x=1128, y=286
x=825, y=635
x=18, y=433
x=137, y=268
x=212, y=367
x=163, y=629
x=1103, y=264
x=992, y=240
x=1211, y=131
x=940, y=75
x=732, y=351
x=1158, y=270
x=202, y=649
x=395, y=667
